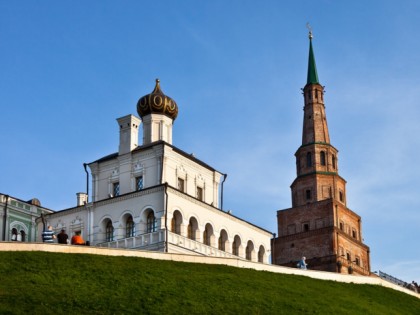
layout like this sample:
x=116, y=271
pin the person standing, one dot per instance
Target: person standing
x=302, y=263
x=48, y=235
x=62, y=237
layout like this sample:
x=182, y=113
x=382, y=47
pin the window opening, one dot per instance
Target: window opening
x=308, y=159
x=323, y=158
x=116, y=189
x=129, y=227
x=181, y=184
x=151, y=222
x=109, y=231
x=139, y=183
x=200, y=193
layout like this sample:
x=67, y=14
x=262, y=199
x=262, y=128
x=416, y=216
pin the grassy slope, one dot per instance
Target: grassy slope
x=48, y=283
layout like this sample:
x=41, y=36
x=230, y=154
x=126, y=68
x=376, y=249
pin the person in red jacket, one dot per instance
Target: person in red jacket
x=77, y=239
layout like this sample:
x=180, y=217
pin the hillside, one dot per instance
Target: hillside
x=52, y=283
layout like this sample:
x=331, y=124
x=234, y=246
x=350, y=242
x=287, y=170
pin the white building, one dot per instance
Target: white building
x=155, y=196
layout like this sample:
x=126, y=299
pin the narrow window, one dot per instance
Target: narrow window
x=341, y=226
x=192, y=228
x=341, y=196
x=333, y=161
x=348, y=256
x=221, y=243
x=200, y=193
x=357, y=261
x=22, y=236
x=323, y=158
x=308, y=159
x=173, y=224
x=116, y=189
x=139, y=183
x=190, y=231
x=180, y=184
x=248, y=251
x=305, y=227
x=308, y=194
x=261, y=254
x=151, y=222
x=109, y=231
x=206, y=238
x=354, y=234
x=129, y=227
x=235, y=250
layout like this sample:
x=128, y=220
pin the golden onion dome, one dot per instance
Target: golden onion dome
x=157, y=103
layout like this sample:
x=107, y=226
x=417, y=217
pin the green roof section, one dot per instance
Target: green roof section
x=312, y=74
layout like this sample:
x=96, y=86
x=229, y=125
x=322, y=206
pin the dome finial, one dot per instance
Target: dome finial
x=309, y=27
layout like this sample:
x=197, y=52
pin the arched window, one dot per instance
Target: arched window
x=235, y=245
x=151, y=222
x=261, y=253
x=222, y=240
x=206, y=239
x=308, y=159
x=323, y=158
x=192, y=228
x=109, y=231
x=22, y=235
x=129, y=227
x=190, y=234
x=173, y=224
x=208, y=233
x=249, y=250
x=176, y=222
x=333, y=161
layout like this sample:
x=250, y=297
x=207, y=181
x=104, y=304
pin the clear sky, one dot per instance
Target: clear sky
x=68, y=69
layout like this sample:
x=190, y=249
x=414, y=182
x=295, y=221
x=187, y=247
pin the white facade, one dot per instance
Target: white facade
x=17, y=218
x=157, y=197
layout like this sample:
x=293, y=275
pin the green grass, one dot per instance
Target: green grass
x=51, y=283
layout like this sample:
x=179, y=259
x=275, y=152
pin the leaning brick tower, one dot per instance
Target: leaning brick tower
x=319, y=225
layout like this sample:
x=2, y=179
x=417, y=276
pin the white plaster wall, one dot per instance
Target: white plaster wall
x=135, y=205
x=124, y=169
x=194, y=175
x=219, y=220
x=71, y=220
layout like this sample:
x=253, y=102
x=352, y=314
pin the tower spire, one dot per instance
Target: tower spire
x=312, y=73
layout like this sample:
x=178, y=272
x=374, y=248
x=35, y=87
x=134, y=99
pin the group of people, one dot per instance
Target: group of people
x=48, y=236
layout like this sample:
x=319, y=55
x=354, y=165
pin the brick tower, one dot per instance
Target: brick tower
x=319, y=225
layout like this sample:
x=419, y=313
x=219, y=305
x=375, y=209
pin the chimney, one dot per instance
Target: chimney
x=82, y=199
x=129, y=133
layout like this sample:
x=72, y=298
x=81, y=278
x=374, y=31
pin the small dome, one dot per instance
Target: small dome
x=35, y=202
x=157, y=103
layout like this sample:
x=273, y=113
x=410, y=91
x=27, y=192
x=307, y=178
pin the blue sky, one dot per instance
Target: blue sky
x=68, y=69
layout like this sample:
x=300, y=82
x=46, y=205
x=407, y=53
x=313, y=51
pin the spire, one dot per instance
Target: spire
x=312, y=74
